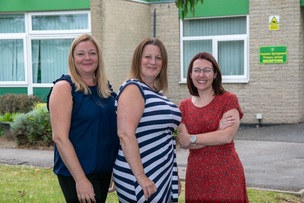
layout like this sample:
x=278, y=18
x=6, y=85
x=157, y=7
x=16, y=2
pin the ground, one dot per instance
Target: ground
x=7, y=142
x=11, y=143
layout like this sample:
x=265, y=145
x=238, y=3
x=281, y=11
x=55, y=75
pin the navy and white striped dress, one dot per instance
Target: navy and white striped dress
x=157, y=148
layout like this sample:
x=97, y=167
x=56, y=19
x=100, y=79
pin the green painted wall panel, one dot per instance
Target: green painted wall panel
x=13, y=90
x=42, y=92
x=41, y=5
x=302, y=2
x=220, y=8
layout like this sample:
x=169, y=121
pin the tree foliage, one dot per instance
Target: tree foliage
x=185, y=5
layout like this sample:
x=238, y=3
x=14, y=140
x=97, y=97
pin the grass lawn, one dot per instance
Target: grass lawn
x=28, y=184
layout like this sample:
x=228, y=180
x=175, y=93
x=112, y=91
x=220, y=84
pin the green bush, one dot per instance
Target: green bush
x=33, y=128
x=17, y=103
x=8, y=117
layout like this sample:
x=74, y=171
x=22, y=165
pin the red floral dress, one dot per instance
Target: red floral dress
x=214, y=173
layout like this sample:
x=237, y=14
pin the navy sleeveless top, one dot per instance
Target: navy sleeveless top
x=93, y=132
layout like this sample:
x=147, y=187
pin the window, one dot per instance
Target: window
x=12, y=47
x=34, y=46
x=225, y=38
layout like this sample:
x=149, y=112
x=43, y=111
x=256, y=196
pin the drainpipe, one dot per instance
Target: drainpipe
x=154, y=26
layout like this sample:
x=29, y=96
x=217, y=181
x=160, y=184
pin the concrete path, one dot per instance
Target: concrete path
x=273, y=157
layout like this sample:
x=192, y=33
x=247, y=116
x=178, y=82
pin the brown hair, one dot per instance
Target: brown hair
x=217, y=81
x=161, y=81
x=100, y=73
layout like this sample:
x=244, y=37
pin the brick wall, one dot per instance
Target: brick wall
x=275, y=90
x=119, y=25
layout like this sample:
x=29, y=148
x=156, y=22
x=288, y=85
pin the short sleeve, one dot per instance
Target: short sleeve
x=128, y=82
x=233, y=103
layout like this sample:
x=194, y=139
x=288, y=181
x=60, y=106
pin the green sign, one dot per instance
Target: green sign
x=273, y=54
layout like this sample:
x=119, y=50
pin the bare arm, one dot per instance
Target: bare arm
x=60, y=113
x=130, y=109
x=219, y=137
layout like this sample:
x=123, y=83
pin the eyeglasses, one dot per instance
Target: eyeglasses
x=204, y=70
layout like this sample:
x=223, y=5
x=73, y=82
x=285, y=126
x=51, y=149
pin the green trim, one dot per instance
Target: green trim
x=155, y=1
x=41, y=92
x=212, y=8
x=13, y=90
x=302, y=2
x=41, y=5
x=159, y=1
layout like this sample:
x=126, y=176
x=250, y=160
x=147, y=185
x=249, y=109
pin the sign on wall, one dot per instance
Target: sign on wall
x=274, y=22
x=273, y=54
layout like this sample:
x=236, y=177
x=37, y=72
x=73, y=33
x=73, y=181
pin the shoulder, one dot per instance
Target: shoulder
x=228, y=95
x=62, y=84
x=130, y=83
x=184, y=102
x=131, y=87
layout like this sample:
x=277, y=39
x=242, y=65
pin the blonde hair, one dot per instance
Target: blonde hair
x=161, y=81
x=100, y=73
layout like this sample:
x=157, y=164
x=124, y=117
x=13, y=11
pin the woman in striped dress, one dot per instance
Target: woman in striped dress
x=145, y=169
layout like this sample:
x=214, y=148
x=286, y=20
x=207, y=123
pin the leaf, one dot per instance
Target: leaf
x=184, y=5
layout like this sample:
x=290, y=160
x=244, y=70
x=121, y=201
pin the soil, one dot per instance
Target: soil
x=8, y=142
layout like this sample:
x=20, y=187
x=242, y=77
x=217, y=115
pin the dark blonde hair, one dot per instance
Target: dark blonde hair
x=100, y=73
x=161, y=81
x=217, y=81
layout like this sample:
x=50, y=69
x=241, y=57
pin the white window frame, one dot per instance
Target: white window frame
x=31, y=31
x=215, y=39
x=21, y=36
x=30, y=35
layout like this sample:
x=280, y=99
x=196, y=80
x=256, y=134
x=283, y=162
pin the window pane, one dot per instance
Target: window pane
x=12, y=24
x=215, y=26
x=191, y=48
x=11, y=60
x=60, y=22
x=231, y=57
x=49, y=59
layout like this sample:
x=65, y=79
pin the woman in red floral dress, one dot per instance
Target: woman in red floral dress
x=214, y=171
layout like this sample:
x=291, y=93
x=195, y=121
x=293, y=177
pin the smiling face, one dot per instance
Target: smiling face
x=151, y=63
x=86, y=57
x=202, y=74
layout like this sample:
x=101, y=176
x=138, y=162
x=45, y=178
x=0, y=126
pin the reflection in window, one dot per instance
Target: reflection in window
x=10, y=23
x=191, y=48
x=231, y=57
x=60, y=22
x=49, y=59
x=11, y=60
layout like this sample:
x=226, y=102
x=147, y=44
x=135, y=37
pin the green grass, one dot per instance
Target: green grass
x=28, y=184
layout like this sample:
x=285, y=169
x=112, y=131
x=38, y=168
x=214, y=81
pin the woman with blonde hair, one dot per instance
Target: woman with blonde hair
x=84, y=124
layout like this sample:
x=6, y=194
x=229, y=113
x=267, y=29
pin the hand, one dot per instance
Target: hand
x=112, y=187
x=184, y=140
x=179, y=187
x=85, y=191
x=226, y=121
x=147, y=185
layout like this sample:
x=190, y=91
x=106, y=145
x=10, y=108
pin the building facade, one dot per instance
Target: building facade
x=258, y=44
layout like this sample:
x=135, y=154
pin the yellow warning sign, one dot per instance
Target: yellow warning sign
x=274, y=22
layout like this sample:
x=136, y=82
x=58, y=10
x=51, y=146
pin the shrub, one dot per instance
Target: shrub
x=33, y=128
x=8, y=117
x=17, y=103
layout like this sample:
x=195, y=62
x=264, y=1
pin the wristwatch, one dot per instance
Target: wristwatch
x=193, y=139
